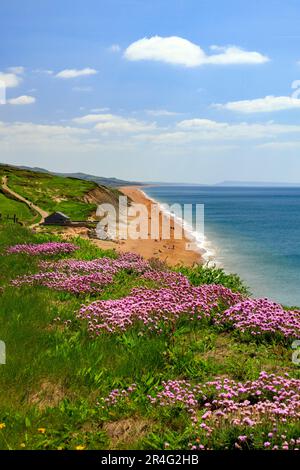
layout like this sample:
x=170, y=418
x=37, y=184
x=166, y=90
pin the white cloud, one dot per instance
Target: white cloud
x=21, y=136
x=262, y=105
x=120, y=124
x=161, y=112
x=109, y=134
x=283, y=145
x=22, y=100
x=31, y=139
x=187, y=130
x=235, y=55
x=173, y=50
x=180, y=51
x=91, y=118
x=197, y=123
x=74, y=73
x=10, y=80
x=19, y=70
x=114, y=123
x=205, y=129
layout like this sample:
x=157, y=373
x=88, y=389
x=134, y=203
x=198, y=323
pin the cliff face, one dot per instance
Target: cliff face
x=102, y=195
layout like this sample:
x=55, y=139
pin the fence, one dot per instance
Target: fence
x=4, y=217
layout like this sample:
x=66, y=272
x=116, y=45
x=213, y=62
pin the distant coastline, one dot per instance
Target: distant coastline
x=119, y=182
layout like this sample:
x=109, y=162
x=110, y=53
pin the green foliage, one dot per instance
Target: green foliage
x=88, y=251
x=56, y=375
x=212, y=275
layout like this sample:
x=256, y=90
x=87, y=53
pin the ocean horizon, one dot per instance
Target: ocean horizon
x=250, y=231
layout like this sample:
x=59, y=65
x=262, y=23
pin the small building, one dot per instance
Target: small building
x=57, y=218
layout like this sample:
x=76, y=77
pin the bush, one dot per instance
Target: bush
x=199, y=274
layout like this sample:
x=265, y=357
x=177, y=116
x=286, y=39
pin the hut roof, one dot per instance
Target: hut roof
x=61, y=214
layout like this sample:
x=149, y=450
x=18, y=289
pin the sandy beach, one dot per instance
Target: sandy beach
x=171, y=251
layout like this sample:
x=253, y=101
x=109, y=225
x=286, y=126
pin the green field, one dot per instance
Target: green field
x=56, y=374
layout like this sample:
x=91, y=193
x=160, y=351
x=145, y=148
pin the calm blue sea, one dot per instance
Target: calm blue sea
x=254, y=232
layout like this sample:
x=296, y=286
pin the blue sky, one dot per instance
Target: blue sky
x=194, y=91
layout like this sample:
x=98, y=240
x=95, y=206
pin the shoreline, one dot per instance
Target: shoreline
x=201, y=245
x=172, y=251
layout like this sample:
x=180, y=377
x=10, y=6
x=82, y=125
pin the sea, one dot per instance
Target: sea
x=251, y=231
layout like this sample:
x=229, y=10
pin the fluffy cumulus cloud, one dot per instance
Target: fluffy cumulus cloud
x=206, y=129
x=267, y=104
x=74, y=73
x=19, y=137
x=22, y=100
x=235, y=55
x=182, y=131
x=187, y=132
x=190, y=133
x=114, y=134
x=10, y=80
x=114, y=123
x=180, y=51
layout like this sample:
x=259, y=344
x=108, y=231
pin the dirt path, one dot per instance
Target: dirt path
x=40, y=211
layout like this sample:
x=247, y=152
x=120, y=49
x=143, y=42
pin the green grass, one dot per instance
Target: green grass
x=52, y=193
x=56, y=374
x=9, y=207
x=198, y=275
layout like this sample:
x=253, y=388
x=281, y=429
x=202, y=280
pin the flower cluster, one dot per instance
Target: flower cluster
x=79, y=276
x=171, y=296
x=270, y=402
x=49, y=248
x=117, y=395
x=170, y=279
x=129, y=262
x=156, y=308
x=262, y=317
x=75, y=284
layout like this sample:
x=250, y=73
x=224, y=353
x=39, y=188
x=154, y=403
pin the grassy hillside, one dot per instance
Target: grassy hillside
x=9, y=207
x=102, y=181
x=57, y=376
x=72, y=196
